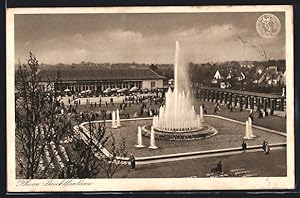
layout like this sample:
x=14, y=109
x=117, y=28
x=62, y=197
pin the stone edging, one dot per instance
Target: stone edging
x=177, y=155
x=189, y=136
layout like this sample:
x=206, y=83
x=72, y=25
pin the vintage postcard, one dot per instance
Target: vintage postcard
x=150, y=98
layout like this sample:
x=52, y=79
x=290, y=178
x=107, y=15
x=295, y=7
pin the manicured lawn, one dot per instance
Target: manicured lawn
x=230, y=135
x=270, y=122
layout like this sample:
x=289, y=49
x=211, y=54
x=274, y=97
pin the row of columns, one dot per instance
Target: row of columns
x=97, y=86
x=238, y=100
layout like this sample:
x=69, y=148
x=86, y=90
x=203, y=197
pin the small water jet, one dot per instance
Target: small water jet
x=152, y=139
x=140, y=138
x=113, y=121
x=248, y=130
x=201, y=114
x=118, y=118
x=247, y=135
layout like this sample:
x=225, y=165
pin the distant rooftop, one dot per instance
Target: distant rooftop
x=100, y=74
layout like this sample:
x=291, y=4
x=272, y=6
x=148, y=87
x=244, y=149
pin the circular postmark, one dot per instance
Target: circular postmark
x=268, y=25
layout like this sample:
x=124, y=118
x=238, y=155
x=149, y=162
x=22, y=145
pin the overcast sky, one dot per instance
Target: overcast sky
x=144, y=38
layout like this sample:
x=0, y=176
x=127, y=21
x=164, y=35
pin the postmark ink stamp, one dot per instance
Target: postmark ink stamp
x=268, y=25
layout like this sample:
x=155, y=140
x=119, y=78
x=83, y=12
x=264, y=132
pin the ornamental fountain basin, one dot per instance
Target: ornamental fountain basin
x=205, y=132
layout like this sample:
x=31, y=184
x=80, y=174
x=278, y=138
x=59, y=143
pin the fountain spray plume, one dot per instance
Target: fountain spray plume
x=181, y=77
x=178, y=115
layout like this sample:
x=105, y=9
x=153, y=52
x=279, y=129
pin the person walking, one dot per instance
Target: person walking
x=132, y=162
x=244, y=146
x=267, y=148
x=217, y=109
x=264, y=146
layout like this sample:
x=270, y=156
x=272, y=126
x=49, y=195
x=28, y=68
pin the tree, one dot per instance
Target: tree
x=154, y=68
x=42, y=124
x=39, y=122
x=98, y=152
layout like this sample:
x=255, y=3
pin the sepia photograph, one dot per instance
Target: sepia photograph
x=150, y=98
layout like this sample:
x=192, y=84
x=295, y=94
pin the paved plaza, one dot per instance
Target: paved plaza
x=273, y=164
x=230, y=136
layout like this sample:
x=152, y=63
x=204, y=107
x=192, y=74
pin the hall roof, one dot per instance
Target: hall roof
x=100, y=74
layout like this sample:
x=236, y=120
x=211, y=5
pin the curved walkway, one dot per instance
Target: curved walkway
x=189, y=155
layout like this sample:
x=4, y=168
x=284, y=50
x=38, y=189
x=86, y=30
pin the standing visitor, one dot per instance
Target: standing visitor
x=217, y=108
x=132, y=162
x=244, y=146
x=266, y=112
x=264, y=146
x=260, y=113
x=267, y=148
x=231, y=108
x=219, y=167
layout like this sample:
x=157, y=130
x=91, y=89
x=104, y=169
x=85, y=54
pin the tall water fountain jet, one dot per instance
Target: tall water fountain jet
x=178, y=114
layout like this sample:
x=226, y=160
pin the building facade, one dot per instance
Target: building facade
x=99, y=80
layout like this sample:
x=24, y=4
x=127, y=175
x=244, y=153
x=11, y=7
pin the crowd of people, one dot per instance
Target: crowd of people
x=148, y=106
x=262, y=112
